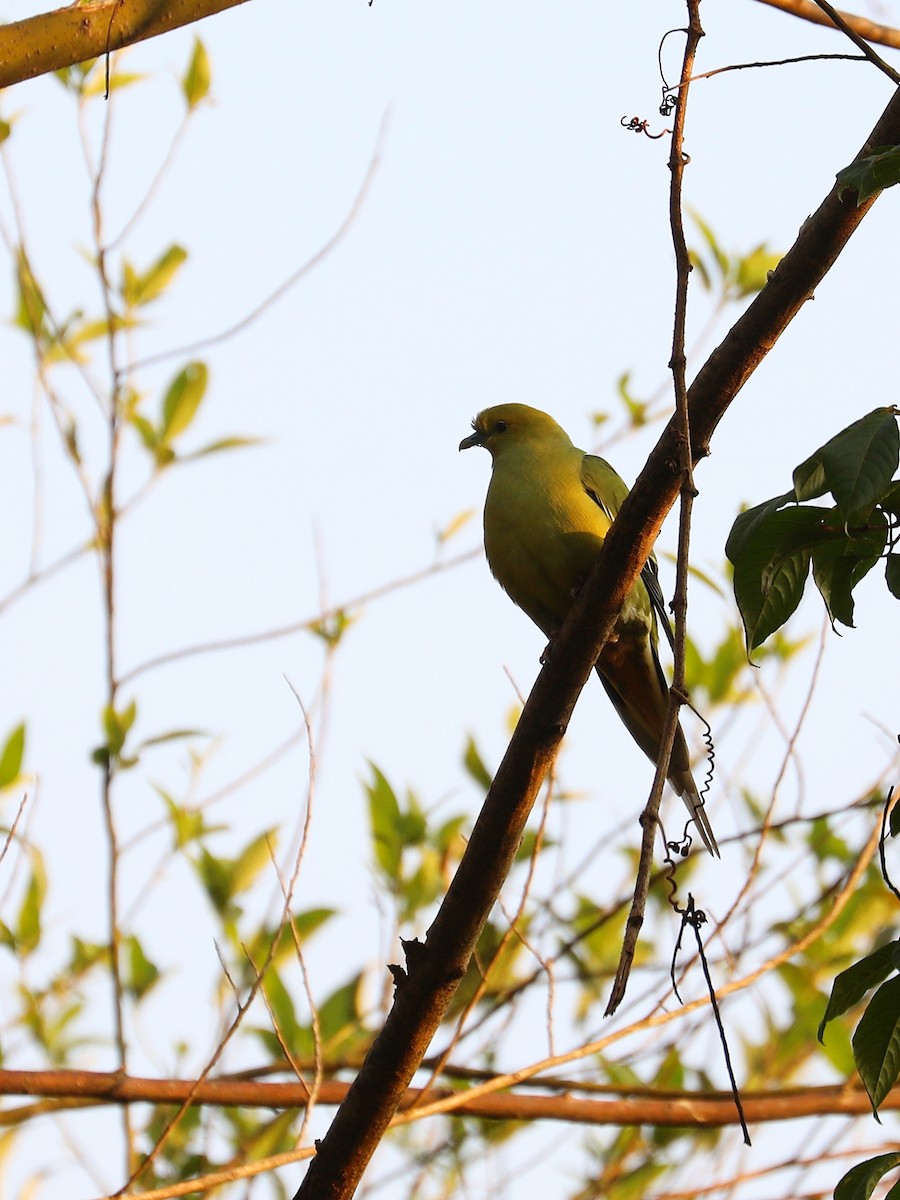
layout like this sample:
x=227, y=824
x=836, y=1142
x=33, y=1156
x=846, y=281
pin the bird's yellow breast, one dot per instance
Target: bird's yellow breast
x=542, y=531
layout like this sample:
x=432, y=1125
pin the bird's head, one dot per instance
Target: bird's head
x=507, y=425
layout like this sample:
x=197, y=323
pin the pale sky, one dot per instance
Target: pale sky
x=512, y=245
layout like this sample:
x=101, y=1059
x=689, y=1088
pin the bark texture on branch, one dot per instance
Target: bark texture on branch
x=710, y=1110
x=72, y=35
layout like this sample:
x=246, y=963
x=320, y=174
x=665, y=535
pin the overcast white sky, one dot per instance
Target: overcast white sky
x=513, y=245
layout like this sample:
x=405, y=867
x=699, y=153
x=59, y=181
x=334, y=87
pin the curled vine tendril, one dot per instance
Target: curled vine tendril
x=636, y=125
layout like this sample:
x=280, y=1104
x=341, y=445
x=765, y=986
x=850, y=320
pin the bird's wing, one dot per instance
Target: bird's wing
x=608, y=490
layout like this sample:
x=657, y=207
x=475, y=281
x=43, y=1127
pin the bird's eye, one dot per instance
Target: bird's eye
x=501, y=427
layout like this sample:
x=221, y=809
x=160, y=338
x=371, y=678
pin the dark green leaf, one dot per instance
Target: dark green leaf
x=894, y=823
x=11, y=756
x=892, y=574
x=840, y=565
x=859, y=1183
x=872, y=174
x=769, y=573
x=851, y=985
x=196, y=80
x=182, y=400
x=861, y=460
x=876, y=1043
x=809, y=479
x=745, y=530
x=890, y=500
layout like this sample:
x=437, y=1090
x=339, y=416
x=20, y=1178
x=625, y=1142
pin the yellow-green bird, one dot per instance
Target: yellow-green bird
x=548, y=508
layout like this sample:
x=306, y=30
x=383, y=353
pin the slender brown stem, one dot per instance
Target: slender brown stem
x=678, y=365
x=105, y=519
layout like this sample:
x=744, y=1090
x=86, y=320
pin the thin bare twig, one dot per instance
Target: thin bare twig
x=293, y=279
x=857, y=39
x=678, y=364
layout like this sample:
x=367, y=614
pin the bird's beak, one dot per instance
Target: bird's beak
x=474, y=439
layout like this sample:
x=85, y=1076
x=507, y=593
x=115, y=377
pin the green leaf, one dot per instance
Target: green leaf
x=216, y=877
x=182, y=400
x=282, y=1006
x=745, y=530
x=851, y=985
x=856, y=465
x=252, y=859
x=141, y=974
x=174, y=735
x=770, y=567
x=860, y=1181
x=721, y=258
x=5, y=131
x=753, y=270
x=890, y=500
x=809, y=479
x=384, y=819
x=146, y=431
x=236, y=442
x=96, y=86
x=871, y=174
x=340, y=1015
x=876, y=1043
x=892, y=574
x=142, y=289
x=474, y=765
x=11, y=757
x=196, y=80
x=116, y=726
x=188, y=824
x=637, y=409
x=861, y=461
x=309, y=921
x=28, y=923
x=839, y=566
x=31, y=310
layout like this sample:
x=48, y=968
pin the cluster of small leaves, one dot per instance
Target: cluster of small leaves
x=876, y=1041
x=732, y=276
x=412, y=859
x=772, y=545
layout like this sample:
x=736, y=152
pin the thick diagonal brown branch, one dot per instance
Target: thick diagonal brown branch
x=435, y=967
